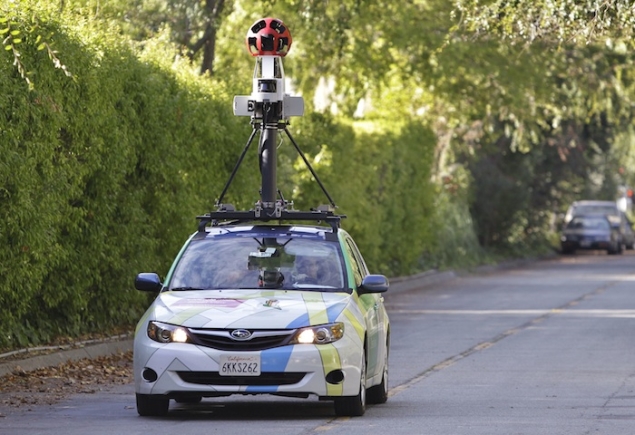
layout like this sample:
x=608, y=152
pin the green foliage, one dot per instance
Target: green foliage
x=455, y=244
x=562, y=21
x=101, y=177
x=21, y=25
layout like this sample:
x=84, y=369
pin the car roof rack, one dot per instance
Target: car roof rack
x=233, y=217
x=269, y=107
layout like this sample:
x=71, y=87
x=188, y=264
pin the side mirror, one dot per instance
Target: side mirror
x=148, y=282
x=373, y=284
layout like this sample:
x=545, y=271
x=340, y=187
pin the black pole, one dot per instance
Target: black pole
x=268, y=155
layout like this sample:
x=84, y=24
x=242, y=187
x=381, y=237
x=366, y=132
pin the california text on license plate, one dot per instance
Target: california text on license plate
x=239, y=365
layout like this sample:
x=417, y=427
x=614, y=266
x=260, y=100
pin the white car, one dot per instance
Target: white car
x=264, y=309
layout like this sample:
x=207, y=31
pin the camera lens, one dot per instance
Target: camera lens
x=266, y=86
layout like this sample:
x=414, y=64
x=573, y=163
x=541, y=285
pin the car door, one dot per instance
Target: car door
x=372, y=307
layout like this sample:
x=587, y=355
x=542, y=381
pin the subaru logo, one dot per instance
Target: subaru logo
x=240, y=334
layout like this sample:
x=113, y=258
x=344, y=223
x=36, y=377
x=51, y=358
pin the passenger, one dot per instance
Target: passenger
x=312, y=270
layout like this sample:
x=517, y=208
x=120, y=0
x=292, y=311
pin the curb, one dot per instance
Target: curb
x=424, y=279
x=56, y=358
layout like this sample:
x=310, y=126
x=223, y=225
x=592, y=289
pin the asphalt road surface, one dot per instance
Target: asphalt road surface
x=547, y=348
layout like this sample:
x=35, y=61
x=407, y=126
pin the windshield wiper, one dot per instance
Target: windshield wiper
x=183, y=289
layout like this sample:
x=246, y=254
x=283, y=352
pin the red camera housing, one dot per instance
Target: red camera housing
x=268, y=37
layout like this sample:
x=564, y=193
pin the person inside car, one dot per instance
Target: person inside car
x=316, y=270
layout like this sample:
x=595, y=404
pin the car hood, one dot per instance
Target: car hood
x=248, y=308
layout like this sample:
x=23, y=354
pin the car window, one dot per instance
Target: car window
x=253, y=262
x=357, y=264
x=589, y=223
x=603, y=209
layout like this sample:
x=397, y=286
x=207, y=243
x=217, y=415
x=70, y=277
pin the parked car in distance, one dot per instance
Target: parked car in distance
x=590, y=232
x=285, y=310
x=616, y=216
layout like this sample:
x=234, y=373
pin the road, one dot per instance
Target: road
x=547, y=348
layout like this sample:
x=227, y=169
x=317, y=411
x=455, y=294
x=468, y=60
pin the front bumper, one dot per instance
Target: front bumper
x=183, y=369
x=586, y=243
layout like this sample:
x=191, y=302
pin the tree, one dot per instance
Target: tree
x=192, y=24
x=561, y=22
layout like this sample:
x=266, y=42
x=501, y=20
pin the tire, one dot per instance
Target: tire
x=354, y=406
x=379, y=393
x=149, y=405
x=619, y=249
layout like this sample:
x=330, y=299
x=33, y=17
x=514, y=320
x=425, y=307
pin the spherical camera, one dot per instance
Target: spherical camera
x=268, y=37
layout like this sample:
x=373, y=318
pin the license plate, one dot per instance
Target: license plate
x=239, y=365
x=585, y=243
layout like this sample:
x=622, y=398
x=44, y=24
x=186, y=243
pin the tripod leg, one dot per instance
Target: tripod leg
x=310, y=167
x=240, y=160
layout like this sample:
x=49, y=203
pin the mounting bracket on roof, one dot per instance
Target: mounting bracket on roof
x=217, y=218
x=269, y=107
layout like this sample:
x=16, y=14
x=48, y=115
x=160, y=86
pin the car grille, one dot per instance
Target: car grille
x=222, y=339
x=213, y=378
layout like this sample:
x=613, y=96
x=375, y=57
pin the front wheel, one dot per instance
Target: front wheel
x=379, y=393
x=354, y=406
x=149, y=405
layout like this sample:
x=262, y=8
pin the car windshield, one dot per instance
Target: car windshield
x=600, y=209
x=234, y=261
x=592, y=223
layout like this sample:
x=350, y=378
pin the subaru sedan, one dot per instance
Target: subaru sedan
x=264, y=309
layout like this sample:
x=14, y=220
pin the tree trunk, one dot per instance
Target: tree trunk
x=207, y=42
x=209, y=51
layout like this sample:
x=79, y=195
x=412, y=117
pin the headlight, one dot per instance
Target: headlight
x=321, y=334
x=166, y=333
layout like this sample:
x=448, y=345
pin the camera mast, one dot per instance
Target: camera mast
x=270, y=107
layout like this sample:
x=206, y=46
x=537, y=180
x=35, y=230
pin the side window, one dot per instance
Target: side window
x=358, y=266
x=360, y=259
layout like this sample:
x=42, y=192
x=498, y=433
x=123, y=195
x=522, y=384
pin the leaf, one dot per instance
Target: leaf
x=15, y=32
x=8, y=47
x=3, y=31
